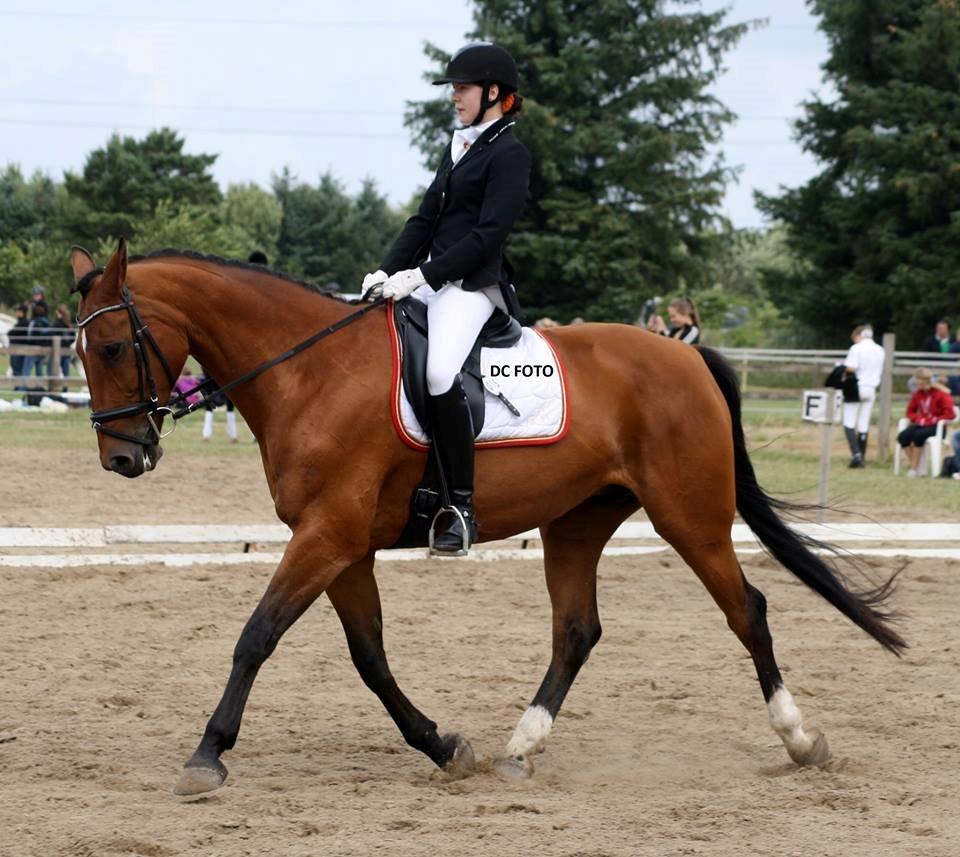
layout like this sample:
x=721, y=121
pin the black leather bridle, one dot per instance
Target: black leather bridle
x=143, y=342
x=149, y=404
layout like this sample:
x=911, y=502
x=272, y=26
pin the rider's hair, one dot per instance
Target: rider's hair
x=688, y=307
x=512, y=104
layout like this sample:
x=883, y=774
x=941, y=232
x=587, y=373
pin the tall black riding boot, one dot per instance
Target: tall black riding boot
x=454, y=531
x=854, y=443
x=863, y=444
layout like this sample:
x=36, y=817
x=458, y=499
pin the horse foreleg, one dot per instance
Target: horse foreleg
x=304, y=572
x=572, y=546
x=355, y=597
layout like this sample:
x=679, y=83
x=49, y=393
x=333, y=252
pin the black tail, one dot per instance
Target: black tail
x=790, y=548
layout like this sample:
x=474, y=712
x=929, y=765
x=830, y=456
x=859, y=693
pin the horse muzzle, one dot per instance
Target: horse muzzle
x=135, y=460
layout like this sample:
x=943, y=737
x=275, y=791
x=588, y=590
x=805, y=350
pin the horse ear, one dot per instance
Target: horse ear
x=115, y=274
x=81, y=262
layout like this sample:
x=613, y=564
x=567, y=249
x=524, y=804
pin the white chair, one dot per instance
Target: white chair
x=932, y=453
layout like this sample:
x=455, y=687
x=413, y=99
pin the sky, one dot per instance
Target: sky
x=321, y=86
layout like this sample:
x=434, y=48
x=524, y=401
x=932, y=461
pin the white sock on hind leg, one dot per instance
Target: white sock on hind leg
x=531, y=732
x=787, y=722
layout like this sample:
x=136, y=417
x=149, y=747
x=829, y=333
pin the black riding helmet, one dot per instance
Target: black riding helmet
x=483, y=63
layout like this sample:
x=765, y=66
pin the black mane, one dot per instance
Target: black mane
x=83, y=285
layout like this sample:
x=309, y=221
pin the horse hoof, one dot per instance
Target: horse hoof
x=514, y=768
x=818, y=753
x=197, y=779
x=462, y=763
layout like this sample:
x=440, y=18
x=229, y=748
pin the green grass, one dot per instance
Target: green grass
x=39, y=431
x=785, y=452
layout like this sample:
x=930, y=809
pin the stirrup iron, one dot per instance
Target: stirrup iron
x=465, y=529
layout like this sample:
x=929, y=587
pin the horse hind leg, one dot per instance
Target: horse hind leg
x=572, y=546
x=745, y=609
x=805, y=747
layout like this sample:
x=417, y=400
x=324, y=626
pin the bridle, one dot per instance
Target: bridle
x=149, y=404
x=143, y=342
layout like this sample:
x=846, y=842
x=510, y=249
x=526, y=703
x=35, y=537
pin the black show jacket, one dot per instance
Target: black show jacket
x=466, y=215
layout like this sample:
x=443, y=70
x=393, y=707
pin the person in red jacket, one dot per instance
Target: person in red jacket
x=930, y=403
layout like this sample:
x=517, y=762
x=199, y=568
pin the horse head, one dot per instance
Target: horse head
x=130, y=367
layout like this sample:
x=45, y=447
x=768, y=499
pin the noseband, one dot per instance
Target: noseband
x=143, y=342
x=151, y=407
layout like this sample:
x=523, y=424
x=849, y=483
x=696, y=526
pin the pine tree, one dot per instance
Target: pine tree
x=125, y=180
x=328, y=236
x=619, y=118
x=878, y=227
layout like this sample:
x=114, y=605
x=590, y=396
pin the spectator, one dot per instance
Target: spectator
x=67, y=334
x=684, y=322
x=928, y=405
x=40, y=298
x=865, y=361
x=938, y=342
x=38, y=334
x=954, y=470
x=953, y=381
x=210, y=405
x=17, y=335
x=186, y=382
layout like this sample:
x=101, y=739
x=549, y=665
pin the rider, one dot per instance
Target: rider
x=454, y=246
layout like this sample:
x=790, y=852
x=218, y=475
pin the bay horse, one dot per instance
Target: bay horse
x=341, y=478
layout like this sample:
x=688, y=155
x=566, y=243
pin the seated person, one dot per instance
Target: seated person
x=930, y=403
x=953, y=381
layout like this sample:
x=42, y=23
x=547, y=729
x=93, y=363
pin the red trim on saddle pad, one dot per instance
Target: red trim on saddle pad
x=396, y=392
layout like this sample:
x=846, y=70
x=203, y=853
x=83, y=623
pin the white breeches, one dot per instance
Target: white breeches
x=455, y=318
x=856, y=415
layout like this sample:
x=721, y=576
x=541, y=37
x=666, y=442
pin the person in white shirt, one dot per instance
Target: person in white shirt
x=864, y=360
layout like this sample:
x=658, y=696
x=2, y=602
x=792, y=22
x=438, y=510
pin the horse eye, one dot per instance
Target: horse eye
x=112, y=350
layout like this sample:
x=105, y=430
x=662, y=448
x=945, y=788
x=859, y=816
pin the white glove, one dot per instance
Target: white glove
x=371, y=282
x=403, y=283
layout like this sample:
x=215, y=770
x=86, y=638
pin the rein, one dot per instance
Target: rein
x=151, y=407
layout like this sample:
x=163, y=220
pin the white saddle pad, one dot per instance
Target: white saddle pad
x=529, y=375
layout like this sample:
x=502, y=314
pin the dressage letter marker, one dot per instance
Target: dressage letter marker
x=819, y=406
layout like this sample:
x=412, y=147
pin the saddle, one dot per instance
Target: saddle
x=410, y=317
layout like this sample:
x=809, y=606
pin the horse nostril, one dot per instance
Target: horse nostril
x=123, y=464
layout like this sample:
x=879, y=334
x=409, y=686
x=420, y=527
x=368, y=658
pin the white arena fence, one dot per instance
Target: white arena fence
x=76, y=547
x=813, y=362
